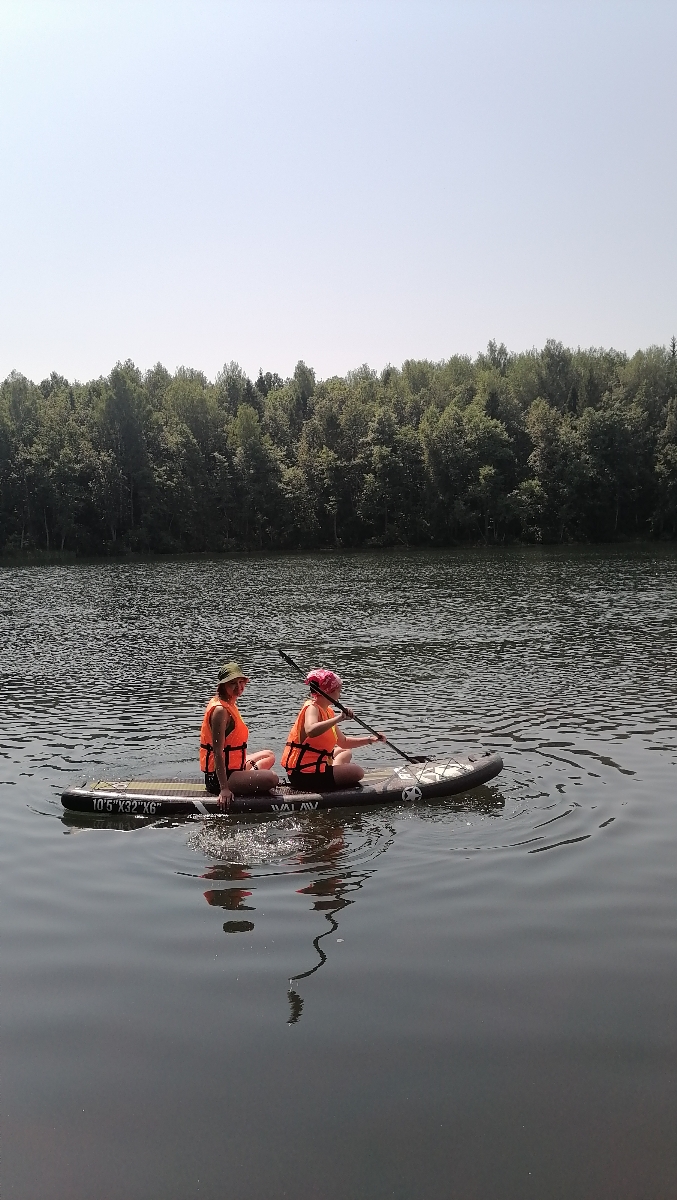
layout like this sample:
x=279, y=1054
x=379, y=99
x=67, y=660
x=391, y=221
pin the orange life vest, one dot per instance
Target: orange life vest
x=235, y=743
x=306, y=754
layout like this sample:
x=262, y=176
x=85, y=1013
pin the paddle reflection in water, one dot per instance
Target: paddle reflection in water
x=329, y=898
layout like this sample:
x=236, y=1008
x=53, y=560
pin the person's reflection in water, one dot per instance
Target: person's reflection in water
x=332, y=888
x=232, y=898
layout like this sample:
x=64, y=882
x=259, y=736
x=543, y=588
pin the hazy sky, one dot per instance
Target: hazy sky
x=337, y=181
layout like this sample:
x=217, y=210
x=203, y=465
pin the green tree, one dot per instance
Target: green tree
x=546, y=445
x=256, y=478
x=123, y=419
x=612, y=446
x=448, y=464
x=665, y=514
x=547, y=501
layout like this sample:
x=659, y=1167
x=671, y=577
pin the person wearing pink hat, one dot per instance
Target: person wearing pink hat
x=317, y=756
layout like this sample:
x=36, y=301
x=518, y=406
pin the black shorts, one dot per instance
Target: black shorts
x=313, y=781
x=212, y=781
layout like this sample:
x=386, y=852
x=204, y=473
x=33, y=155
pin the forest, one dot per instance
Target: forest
x=551, y=445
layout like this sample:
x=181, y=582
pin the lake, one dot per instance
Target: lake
x=474, y=998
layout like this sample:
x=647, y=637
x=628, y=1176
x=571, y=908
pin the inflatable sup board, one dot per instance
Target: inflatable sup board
x=189, y=797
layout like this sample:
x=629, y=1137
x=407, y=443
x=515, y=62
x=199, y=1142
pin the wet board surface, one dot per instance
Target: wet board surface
x=189, y=797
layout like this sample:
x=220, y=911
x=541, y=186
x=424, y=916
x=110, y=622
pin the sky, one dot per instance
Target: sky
x=338, y=181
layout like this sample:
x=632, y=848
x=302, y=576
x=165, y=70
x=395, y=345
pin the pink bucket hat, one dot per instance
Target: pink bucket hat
x=325, y=679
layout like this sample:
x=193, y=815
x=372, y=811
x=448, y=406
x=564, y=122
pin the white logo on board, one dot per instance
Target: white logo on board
x=411, y=794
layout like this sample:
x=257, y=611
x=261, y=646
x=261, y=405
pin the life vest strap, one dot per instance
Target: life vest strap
x=241, y=750
x=210, y=750
x=303, y=749
x=227, y=751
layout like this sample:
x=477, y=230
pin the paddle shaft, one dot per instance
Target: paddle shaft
x=349, y=714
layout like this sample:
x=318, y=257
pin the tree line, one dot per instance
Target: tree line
x=545, y=446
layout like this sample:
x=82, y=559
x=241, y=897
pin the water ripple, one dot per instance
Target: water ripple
x=563, y=665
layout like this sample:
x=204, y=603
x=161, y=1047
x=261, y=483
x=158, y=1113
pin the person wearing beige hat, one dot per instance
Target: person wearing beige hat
x=224, y=759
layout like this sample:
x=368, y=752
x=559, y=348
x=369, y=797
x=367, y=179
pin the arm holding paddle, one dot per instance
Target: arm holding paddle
x=315, y=726
x=353, y=742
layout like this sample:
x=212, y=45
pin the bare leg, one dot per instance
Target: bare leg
x=347, y=774
x=264, y=759
x=342, y=756
x=247, y=782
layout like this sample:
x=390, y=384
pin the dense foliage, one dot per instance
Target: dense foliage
x=544, y=446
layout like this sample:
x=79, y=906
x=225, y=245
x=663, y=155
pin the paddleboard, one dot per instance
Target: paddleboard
x=408, y=783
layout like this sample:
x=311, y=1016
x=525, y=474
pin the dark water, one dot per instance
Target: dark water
x=487, y=994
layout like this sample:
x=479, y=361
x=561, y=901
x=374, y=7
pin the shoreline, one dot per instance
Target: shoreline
x=49, y=558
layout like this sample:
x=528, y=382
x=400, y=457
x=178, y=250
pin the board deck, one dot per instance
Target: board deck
x=189, y=797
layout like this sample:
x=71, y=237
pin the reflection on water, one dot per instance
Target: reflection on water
x=232, y=898
x=330, y=896
x=238, y=926
x=336, y=851
x=471, y=996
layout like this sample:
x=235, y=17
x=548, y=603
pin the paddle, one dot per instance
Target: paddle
x=412, y=758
